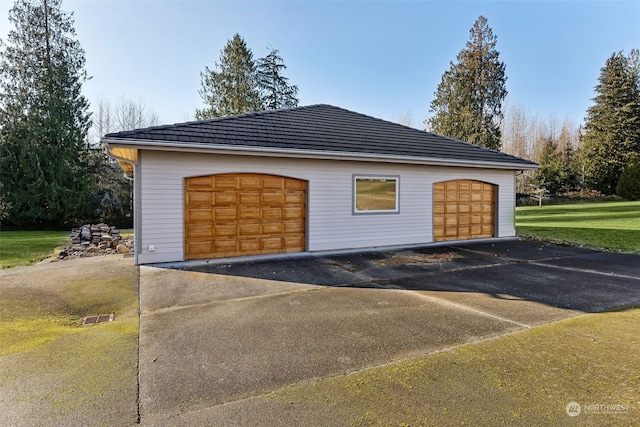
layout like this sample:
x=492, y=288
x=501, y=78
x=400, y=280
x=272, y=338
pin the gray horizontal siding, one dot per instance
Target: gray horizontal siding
x=331, y=222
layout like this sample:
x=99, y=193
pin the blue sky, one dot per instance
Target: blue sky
x=382, y=58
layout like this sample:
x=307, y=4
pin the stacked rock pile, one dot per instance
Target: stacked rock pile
x=95, y=234
x=96, y=239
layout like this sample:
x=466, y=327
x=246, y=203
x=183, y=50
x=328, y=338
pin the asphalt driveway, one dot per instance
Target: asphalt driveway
x=216, y=338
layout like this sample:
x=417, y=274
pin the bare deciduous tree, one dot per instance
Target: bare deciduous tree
x=525, y=135
x=406, y=118
x=112, y=192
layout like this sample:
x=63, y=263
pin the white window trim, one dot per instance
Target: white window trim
x=395, y=178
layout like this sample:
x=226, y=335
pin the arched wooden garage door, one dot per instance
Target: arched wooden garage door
x=463, y=209
x=244, y=214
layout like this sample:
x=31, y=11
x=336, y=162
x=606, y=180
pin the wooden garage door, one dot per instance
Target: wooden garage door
x=463, y=209
x=243, y=214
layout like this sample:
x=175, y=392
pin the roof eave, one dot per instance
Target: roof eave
x=308, y=154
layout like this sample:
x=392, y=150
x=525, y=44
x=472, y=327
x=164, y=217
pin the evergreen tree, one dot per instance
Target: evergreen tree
x=556, y=173
x=629, y=183
x=232, y=87
x=276, y=91
x=612, y=125
x=468, y=100
x=44, y=118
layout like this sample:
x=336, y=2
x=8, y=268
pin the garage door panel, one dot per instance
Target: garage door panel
x=224, y=214
x=247, y=214
x=225, y=245
x=294, y=198
x=476, y=197
x=293, y=227
x=477, y=186
x=224, y=199
x=273, y=228
x=294, y=243
x=249, y=198
x=199, y=230
x=200, y=183
x=294, y=184
x=463, y=209
x=244, y=214
x=225, y=230
x=247, y=229
x=251, y=182
x=247, y=246
x=272, y=183
x=224, y=182
x=451, y=232
x=199, y=248
x=199, y=215
x=272, y=214
x=271, y=199
x=199, y=198
x=464, y=232
x=293, y=214
x=268, y=243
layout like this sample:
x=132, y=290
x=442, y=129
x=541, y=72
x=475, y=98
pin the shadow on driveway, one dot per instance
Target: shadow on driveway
x=557, y=276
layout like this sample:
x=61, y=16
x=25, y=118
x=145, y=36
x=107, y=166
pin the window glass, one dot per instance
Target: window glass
x=376, y=194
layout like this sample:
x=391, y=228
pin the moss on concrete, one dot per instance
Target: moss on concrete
x=55, y=371
x=522, y=379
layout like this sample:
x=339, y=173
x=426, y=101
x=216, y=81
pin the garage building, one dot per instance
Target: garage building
x=308, y=179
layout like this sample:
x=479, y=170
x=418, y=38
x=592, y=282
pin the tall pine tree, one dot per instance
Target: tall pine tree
x=468, y=100
x=612, y=125
x=44, y=118
x=232, y=87
x=556, y=174
x=276, y=91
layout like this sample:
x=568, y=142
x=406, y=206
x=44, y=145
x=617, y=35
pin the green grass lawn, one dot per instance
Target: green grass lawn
x=25, y=247
x=613, y=226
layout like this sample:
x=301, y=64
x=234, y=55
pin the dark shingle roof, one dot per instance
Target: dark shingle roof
x=319, y=128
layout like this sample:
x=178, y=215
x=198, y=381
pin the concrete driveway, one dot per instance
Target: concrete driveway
x=216, y=338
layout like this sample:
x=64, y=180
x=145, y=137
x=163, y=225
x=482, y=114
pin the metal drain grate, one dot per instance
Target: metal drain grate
x=94, y=320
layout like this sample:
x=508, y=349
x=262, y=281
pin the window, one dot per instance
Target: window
x=375, y=194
